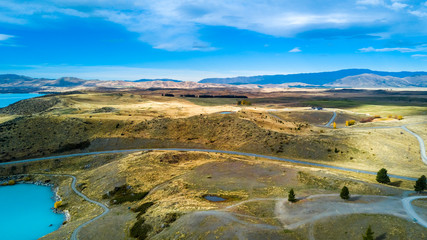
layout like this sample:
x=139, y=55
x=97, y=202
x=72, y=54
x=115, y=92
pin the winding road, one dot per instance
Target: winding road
x=328, y=124
x=406, y=201
x=410, y=210
x=73, y=187
x=210, y=151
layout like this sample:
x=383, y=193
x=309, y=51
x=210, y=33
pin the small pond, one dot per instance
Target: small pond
x=213, y=198
x=225, y=112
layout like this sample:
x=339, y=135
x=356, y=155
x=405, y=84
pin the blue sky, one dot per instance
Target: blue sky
x=195, y=39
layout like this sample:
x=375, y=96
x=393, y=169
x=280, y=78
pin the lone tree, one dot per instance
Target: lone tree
x=291, y=196
x=382, y=176
x=369, y=234
x=345, y=194
x=420, y=184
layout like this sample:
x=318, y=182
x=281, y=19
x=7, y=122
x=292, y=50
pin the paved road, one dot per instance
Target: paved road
x=410, y=210
x=404, y=127
x=328, y=124
x=210, y=151
x=421, y=142
x=105, y=208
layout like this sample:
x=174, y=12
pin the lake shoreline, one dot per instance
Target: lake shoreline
x=19, y=179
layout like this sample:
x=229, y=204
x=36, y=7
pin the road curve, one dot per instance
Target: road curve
x=410, y=210
x=328, y=124
x=210, y=151
x=73, y=186
x=421, y=142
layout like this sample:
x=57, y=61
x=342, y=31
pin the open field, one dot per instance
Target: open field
x=173, y=183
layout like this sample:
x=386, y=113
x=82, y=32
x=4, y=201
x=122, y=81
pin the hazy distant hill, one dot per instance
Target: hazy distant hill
x=372, y=80
x=349, y=78
x=319, y=79
x=161, y=79
x=11, y=83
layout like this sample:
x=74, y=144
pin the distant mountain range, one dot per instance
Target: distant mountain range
x=330, y=79
x=348, y=78
x=161, y=79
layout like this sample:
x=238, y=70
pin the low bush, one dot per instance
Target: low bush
x=141, y=210
x=365, y=120
x=123, y=194
x=140, y=229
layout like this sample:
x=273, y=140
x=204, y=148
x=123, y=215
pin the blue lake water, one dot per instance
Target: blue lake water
x=26, y=212
x=214, y=198
x=9, y=98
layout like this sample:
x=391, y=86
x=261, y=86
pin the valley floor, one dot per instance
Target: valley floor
x=159, y=194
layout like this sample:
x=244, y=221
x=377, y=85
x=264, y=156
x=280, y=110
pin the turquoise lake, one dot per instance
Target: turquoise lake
x=9, y=98
x=26, y=212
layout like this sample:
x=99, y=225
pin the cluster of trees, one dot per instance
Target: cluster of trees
x=420, y=184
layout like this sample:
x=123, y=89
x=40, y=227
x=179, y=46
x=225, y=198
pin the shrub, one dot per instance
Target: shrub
x=171, y=217
x=141, y=210
x=244, y=102
x=140, y=229
x=57, y=204
x=11, y=182
x=123, y=194
x=365, y=120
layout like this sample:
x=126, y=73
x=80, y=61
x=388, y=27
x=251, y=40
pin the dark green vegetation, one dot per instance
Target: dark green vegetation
x=141, y=210
x=140, y=229
x=123, y=194
x=382, y=176
x=369, y=234
x=345, y=193
x=420, y=184
x=291, y=196
x=30, y=106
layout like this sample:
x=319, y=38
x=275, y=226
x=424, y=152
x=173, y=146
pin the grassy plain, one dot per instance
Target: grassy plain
x=277, y=124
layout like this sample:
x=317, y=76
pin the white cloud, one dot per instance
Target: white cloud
x=126, y=73
x=370, y=2
x=418, y=13
x=419, y=48
x=174, y=24
x=295, y=50
x=398, y=6
x=4, y=37
x=419, y=55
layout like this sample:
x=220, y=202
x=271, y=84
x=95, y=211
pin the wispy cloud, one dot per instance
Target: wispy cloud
x=175, y=25
x=4, y=37
x=419, y=48
x=419, y=56
x=295, y=50
x=124, y=72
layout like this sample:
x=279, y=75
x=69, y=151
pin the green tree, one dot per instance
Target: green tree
x=291, y=196
x=369, y=234
x=345, y=193
x=420, y=184
x=382, y=176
